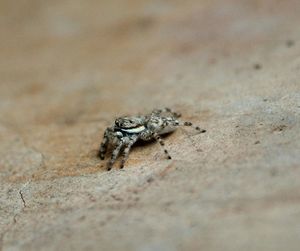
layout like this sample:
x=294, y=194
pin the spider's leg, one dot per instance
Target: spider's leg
x=162, y=143
x=187, y=123
x=165, y=110
x=104, y=144
x=127, y=150
x=114, y=155
x=175, y=114
x=156, y=112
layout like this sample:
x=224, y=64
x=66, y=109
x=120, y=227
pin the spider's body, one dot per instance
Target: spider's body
x=128, y=130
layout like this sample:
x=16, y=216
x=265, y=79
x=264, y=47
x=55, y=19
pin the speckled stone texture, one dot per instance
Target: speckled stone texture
x=69, y=67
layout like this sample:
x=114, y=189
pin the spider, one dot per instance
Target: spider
x=128, y=130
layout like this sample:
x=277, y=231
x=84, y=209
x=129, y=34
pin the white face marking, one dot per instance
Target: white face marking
x=134, y=130
x=119, y=134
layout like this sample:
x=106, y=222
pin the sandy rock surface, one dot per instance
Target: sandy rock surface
x=69, y=68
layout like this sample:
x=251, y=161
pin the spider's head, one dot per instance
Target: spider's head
x=129, y=122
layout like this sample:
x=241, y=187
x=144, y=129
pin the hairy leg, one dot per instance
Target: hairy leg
x=162, y=144
x=166, y=110
x=127, y=150
x=187, y=123
x=114, y=155
x=104, y=144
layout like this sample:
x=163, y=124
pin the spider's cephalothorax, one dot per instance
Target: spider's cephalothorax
x=128, y=130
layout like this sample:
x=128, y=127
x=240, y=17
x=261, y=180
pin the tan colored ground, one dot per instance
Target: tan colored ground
x=68, y=68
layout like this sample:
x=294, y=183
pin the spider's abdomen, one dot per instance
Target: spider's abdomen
x=162, y=125
x=167, y=129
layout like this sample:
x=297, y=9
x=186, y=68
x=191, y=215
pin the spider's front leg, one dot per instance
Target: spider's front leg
x=127, y=150
x=104, y=144
x=115, y=154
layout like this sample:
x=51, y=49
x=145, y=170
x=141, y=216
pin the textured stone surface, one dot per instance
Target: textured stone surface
x=68, y=68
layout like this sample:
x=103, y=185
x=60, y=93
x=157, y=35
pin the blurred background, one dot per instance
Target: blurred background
x=69, y=68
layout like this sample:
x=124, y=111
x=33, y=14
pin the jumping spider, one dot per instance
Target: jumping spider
x=128, y=130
